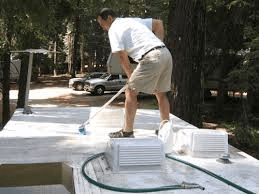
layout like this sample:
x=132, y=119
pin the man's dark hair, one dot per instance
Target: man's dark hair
x=105, y=12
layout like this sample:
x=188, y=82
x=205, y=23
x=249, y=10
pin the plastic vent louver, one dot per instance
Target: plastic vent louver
x=129, y=154
x=207, y=142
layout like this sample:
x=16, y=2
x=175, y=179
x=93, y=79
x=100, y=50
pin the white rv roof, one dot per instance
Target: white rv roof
x=50, y=134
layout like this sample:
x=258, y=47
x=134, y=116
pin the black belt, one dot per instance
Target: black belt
x=157, y=47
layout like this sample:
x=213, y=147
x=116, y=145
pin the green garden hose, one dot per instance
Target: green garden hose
x=129, y=190
x=211, y=174
x=164, y=188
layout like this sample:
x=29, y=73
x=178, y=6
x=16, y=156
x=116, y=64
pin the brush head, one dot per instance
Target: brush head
x=82, y=130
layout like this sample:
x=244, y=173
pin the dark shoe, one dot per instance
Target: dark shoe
x=121, y=134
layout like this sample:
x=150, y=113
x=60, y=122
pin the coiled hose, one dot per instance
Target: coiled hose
x=130, y=190
x=164, y=188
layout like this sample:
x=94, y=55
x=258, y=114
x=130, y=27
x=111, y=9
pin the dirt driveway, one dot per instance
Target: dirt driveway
x=50, y=91
x=54, y=91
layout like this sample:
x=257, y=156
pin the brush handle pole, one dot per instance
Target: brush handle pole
x=106, y=104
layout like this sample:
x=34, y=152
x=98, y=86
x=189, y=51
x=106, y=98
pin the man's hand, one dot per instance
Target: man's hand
x=158, y=28
x=125, y=64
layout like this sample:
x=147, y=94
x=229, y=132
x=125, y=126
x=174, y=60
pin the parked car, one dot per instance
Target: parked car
x=110, y=82
x=78, y=83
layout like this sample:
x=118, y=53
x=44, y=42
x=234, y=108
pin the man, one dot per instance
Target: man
x=142, y=40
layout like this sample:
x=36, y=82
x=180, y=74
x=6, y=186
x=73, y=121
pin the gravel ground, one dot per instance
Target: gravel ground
x=54, y=91
x=61, y=96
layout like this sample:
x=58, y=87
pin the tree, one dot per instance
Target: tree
x=186, y=41
x=5, y=58
x=59, y=13
x=245, y=75
x=94, y=41
x=16, y=18
x=249, y=68
x=224, y=38
x=231, y=42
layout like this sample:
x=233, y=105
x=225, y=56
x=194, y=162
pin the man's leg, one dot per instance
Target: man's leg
x=131, y=104
x=163, y=104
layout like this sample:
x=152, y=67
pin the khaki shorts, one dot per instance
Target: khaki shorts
x=153, y=73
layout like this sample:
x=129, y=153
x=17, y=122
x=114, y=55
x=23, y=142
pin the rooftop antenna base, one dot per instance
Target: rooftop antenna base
x=224, y=159
x=27, y=110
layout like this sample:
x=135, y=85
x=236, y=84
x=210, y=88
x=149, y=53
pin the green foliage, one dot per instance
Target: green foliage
x=3, y=37
x=246, y=75
x=224, y=27
x=231, y=25
x=18, y=19
x=246, y=136
x=93, y=39
x=231, y=29
x=243, y=77
x=238, y=3
x=33, y=24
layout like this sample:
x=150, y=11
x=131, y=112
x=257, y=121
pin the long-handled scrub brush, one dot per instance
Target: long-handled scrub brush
x=82, y=129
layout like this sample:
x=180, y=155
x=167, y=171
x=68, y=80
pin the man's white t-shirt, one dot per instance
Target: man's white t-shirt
x=133, y=35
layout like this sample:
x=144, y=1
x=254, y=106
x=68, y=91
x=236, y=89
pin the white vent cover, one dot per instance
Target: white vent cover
x=202, y=142
x=209, y=142
x=135, y=154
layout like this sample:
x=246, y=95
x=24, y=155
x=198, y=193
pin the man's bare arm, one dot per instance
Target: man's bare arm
x=158, y=28
x=125, y=64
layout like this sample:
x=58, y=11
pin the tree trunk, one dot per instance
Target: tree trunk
x=6, y=76
x=55, y=57
x=6, y=89
x=76, y=51
x=186, y=28
x=22, y=82
x=220, y=99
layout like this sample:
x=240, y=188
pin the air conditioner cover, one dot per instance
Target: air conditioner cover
x=207, y=142
x=135, y=154
x=202, y=142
